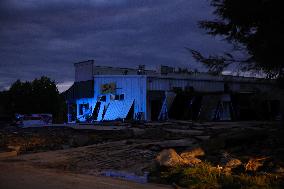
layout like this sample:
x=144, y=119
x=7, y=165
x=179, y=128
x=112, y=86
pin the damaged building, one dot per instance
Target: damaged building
x=102, y=93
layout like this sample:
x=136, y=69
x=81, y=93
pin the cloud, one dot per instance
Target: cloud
x=64, y=86
x=40, y=37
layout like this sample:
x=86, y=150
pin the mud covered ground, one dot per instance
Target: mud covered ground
x=134, y=149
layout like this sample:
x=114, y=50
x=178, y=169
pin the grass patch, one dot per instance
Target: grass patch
x=205, y=176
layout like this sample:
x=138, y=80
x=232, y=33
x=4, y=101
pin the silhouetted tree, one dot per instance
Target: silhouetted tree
x=45, y=95
x=256, y=26
x=5, y=108
x=39, y=96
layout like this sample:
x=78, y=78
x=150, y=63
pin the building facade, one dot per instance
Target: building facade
x=107, y=93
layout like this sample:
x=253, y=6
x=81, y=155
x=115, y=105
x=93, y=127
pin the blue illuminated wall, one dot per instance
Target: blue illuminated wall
x=83, y=113
x=133, y=87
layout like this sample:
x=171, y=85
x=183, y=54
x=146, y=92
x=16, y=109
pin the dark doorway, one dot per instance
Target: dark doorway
x=156, y=106
x=186, y=106
x=96, y=110
x=130, y=113
x=243, y=106
x=274, y=109
x=72, y=111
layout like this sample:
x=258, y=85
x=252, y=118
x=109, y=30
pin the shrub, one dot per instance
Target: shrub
x=205, y=176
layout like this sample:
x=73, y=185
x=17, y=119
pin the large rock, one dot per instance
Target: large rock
x=169, y=158
x=195, y=152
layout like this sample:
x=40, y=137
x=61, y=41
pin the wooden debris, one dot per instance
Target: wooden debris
x=255, y=163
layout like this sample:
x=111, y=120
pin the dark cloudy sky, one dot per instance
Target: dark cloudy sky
x=45, y=37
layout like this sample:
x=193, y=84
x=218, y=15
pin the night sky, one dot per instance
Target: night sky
x=45, y=37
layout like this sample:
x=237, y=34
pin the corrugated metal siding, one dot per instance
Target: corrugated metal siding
x=166, y=84
x=204, y=85
x=118, y=109
x=101, y=110
x=133, y=87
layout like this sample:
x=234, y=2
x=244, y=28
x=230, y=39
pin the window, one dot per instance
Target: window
x=112, y=97
x=116, y=97
x=103, y=98
x=83, y=108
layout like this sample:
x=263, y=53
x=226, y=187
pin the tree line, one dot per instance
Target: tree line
x=30, y=97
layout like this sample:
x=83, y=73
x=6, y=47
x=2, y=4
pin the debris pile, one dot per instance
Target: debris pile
x=169, y=157
x=228, y=163
x=169, y=148
x=255, y=163
x=31, y=140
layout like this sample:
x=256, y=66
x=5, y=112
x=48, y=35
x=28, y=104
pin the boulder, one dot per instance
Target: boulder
x=169, y=158
x=195, y=152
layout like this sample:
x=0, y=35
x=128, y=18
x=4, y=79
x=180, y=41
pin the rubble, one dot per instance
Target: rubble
x=195, y=152
x=232, y=163
x=141, y=147
x=255, y=163
x=228, y=162
x=169, y=158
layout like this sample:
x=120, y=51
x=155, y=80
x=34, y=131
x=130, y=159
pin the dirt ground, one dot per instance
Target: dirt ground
x=68, y=158
x=18, y=175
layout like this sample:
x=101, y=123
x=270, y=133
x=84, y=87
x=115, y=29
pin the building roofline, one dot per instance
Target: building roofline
x=129, y=76
x=85, y=61
x=123, y=68
x=219, y=78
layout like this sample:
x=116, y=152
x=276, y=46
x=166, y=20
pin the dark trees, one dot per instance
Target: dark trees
x=256, y=26
x=39, y=96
